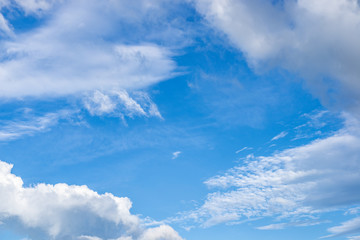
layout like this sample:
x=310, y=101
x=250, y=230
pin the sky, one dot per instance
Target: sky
x=182, y=119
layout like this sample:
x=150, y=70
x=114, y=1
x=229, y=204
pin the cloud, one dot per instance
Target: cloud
x=159, y=233
x=121, y=103
x=354, y=238
x=295, y=183
x=243, y=149
x=36, y=6
x=276, y=226
x=88, y=238
x=11, y=130
x=4, y=27
x=348, y=227
x=176, y=154
x=280, y=135
x=64, y=211
x=279, y=226
x=81, y=47
x=304, y=37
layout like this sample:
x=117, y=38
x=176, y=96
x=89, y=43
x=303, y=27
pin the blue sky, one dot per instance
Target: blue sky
x=171, y=120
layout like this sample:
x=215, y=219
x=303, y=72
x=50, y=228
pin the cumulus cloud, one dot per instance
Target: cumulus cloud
x=64, y=211
x=319, y=43
x=161, y=232
x=80, y=48
x=296, y=183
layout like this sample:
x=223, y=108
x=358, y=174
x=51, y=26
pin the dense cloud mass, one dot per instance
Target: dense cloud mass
x=62, y=211
x=79, y=48
x=320, y=43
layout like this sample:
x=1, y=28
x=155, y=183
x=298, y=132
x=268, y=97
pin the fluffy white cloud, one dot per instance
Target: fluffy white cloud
x=295, y=183
x=64, y=211
x=79, y=48
x=159, y=233
x=316, y=39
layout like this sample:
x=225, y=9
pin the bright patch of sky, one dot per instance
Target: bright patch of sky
x=170, y=120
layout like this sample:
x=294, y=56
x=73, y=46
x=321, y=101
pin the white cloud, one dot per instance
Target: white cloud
x=243, y=149
x=120, y=103
x=88, y=238
x=348, y=227
x=297, y=182
x=70, y=53
x=131, y=106
x=4, y=27
x=354, y=238
x=352, y=211
x=159, y=233
x=176, y=154
x=316, y=39
x=276, y=226
x=279, y=226
x=31, y=124
x=36, y=6
x=64, y=211
x=280, y=135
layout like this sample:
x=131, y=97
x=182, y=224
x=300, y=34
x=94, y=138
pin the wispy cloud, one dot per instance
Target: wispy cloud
x=279, y=226
x=276, y=226
x=349, y=227
x=280, y=135
x=29, y=125
x=354, y=238
x=243, y=149
x=296, y=182
x=120, y=103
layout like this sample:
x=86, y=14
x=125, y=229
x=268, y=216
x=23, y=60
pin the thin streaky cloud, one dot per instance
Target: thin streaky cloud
x=243, y=149
x=10, y=130
x=280, y=135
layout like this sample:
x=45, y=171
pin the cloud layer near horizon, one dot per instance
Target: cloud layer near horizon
x=64, y=211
